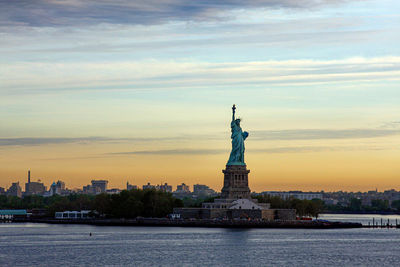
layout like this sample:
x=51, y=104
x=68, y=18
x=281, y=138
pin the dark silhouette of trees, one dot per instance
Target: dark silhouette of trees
x=127, y=204
x=303, y=207
x=355, y=204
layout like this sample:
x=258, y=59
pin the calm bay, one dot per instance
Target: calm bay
x=34, y=244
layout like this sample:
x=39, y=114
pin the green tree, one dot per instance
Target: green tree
x=396, y=205
x=355, y=204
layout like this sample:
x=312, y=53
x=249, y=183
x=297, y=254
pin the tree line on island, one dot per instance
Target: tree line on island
x=127, y=204
x=155, y=203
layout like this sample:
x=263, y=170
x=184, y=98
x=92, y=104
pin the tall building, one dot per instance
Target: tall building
x=15, y=190
x=57, y=188
x=165, y=187
x=148, y=186
x=130, y=186
x=183, y=188
x=34, y=188
x=91, y=190
x=203, y=190
x=102, y=184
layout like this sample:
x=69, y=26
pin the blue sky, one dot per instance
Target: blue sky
x=106, y=72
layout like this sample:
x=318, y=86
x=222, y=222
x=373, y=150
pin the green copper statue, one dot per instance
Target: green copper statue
x=238, y=137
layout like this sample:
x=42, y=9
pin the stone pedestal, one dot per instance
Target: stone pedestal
x=236, y=182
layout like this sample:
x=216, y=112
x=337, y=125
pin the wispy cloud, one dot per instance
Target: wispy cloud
x=73, y=12
x=31, y=141
x=146, y=75
x=391, y=125
x=183, y=151
x=292, y=134
x=315, y=134
x=35, y=141
x=274, y=150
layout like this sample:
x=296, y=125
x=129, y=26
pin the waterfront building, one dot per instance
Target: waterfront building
x=10, y=214
x=294, y=194
x=15, y=190
x=83, y=214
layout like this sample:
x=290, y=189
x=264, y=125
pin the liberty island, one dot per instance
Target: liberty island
x=236, y=201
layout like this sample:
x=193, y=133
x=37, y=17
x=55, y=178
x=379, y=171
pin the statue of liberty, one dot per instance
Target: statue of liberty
x=238, y=137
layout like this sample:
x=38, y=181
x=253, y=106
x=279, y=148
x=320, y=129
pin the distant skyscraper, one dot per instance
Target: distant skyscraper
x=102, y=184
x=130, y=186
x=57, y=188
x=34, y=188
x=15, y=190
x=203, y=190
x=148, y=186
x=183, y=188
x=165, y=187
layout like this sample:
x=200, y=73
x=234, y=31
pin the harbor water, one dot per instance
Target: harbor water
x=35, y=244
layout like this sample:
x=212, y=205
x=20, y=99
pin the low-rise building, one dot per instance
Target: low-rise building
x=113, y=191
x=83, y=214
x=294, y=194
x=10, y=214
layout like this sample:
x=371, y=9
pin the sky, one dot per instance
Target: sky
x=141, y=91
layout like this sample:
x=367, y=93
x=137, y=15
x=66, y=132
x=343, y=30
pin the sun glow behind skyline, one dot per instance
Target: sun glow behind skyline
x=142, y=92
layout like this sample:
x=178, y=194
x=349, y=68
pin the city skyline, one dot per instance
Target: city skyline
x=129, y=184
x=142, y=92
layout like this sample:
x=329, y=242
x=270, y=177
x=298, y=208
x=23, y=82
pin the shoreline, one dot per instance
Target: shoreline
x=361, y=212
x=159, y=222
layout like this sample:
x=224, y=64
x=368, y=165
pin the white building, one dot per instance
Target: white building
x=294, y=194
x=83, y=214
x=242, y=203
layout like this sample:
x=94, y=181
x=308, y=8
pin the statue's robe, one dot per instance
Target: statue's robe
x=238, y=137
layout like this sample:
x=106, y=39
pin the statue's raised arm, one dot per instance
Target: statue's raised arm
x=233, y=112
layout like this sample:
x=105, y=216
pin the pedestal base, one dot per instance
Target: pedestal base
x=236, y=182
